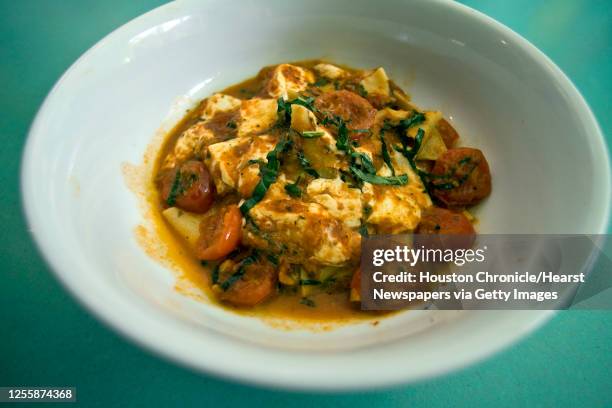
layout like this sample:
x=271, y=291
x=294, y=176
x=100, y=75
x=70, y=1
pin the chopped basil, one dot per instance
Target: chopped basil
x=363, y=230
x=465, y=160
x=342, y=138
x=366, y=162
x=171, y=200
x=321, y=82
x=361, y=166
x=293, y=189
x=376, y=179
x=215, y=274
x=251, y=259
x=415, y=119
x=268, y=173
x=283, y=108
x=362, y=91
x=385, y=153
x=232, y=124
x=182, y=182
x=309, y=282
x=273, y=259
x=306, y=101
x=307, y=302
x=305, y=163
x=312, y=134
x=342, y=141
x=412, y=152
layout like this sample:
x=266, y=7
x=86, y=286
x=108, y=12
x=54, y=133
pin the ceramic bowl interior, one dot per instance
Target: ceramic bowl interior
x=547, y=155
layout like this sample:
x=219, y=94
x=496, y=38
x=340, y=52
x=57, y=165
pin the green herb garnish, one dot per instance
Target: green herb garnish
x=283, y=108
x=268, y=173
x=321, y=82
x=385, y=153
x=342, y=138
x=215, y=274
x=305, y=163
x=376, y=179
x=312, y=134
x=362, y=91
x=361, y=166
x=307, y=302
x=174, y=190
x=363, y=230
x=366, y=162
x=309, y=282
x=273, y=259
x=293, y=189
x=251, y=259
x=416, y=119
x=232, y=124
x=182, y=182
x=412, y=152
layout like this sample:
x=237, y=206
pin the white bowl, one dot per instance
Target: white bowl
x=550, y=169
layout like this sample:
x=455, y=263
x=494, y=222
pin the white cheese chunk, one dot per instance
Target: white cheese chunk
x=307, y=231
x=219, y=103
x=329, y=71
x=256, y=116
x=396, y=209
x=228, y=162
x=189, y=144
x=198, y=136
x=341, y=201
x=287, y=81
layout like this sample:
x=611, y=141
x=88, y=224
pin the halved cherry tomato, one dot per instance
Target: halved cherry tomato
x=256, y=285
x=355, y=110
x=188, y=187
x=220, y=233
x=461, y=177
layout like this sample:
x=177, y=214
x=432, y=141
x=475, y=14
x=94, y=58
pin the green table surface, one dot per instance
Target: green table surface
x=46, y=338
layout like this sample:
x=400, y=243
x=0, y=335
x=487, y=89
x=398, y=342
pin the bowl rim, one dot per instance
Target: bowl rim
x=235, y=371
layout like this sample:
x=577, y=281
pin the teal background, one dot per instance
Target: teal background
x=46, y=338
